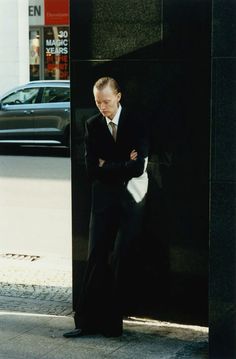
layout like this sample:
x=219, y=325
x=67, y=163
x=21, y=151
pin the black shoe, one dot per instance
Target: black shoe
x=75, y=333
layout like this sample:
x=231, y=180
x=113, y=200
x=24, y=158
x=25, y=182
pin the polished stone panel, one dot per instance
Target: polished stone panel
x=222, y=240
x=120, y=27
x=159, y=53
x=224, y=30
x=175, y=215
x=222, y=271
x=187, y=28
x=222, y=295
x=223, y=123
x=116, y=28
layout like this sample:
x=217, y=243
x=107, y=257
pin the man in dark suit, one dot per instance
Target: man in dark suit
x=116, y=145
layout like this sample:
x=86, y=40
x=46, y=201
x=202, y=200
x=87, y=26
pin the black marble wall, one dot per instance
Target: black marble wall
x=223, y=186
x=159, y=51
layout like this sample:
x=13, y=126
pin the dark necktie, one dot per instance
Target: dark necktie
x=114, y=130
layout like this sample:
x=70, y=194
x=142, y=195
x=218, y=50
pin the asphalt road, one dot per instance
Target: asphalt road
x=35, y=204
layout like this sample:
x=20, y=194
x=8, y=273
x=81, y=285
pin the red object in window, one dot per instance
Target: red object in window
x=56, y=12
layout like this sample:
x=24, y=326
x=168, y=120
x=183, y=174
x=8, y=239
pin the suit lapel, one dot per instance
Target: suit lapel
x=120, y=130
x=105, y=129
x=121, y=126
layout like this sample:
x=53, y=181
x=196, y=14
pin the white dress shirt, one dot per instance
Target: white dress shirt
x=115, y=119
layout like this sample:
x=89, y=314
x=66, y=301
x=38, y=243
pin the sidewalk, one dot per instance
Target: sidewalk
x=36, y=309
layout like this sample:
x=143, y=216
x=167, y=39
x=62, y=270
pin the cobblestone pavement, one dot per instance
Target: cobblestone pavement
x=27, y=305
x=39, y=286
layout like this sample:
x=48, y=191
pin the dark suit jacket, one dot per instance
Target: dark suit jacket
x=132, y=133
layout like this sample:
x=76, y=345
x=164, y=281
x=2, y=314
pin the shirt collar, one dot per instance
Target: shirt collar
x=116, y=117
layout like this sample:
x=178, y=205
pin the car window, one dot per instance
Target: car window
x=56, y=94
x=22, y=96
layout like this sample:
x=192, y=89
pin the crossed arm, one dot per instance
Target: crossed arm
x=133, y=157
x=99, y=168
x=107, y=169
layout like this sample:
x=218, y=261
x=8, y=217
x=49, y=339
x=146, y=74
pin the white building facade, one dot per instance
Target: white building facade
x=35, y=41
x=14, y=50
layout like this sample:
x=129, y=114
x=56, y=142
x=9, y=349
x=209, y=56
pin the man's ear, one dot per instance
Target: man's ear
x=119, y=96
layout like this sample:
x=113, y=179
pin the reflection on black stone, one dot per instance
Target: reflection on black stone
x=153, y=46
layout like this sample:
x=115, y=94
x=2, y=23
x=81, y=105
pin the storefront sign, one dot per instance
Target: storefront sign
x=36, y=12
x=48, y=12
x=56, y=12
x=49, y=39
x=56, y=62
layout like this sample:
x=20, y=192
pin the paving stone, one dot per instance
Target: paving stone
x=42, y=286
x=26, y=305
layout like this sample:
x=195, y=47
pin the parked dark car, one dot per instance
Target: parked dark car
x=36, y=113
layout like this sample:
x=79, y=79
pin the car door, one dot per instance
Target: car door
x=52, y=115
x=17, y=123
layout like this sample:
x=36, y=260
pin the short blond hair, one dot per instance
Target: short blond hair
x=101, y=83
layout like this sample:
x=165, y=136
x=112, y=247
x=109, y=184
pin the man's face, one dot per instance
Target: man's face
x=107, y=101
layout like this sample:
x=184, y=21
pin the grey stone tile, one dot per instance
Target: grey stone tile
x=28, y=346
x=138, y=355
x=152, y=348
x=33, y=336
x=96, y=343
x=12, y=325
x=193, y=351
x=40, y=337
x=75, y=353
x=62, y=323
x=139, y=332
x=160, y=342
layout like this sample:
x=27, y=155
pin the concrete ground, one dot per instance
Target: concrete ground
x=36, y=308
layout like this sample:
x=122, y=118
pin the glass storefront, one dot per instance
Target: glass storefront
x=56, y=53
x=49, y=53
x=34, y=54
x=49, y=39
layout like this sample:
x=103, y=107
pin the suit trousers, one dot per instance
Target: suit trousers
x=115, y=224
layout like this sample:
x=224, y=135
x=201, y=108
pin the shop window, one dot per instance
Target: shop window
x=34, y=55
x=56, y=53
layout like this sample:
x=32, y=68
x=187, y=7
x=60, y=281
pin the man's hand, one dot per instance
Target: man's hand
x=133, y=155
x=101, y=162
